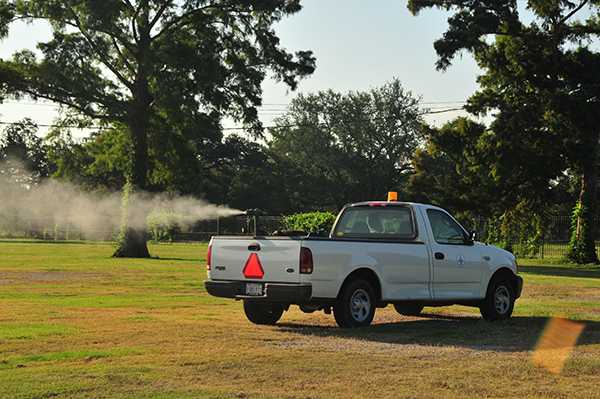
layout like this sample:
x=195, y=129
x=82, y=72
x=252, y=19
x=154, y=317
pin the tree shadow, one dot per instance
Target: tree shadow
x=561, y=271
x=515, y=335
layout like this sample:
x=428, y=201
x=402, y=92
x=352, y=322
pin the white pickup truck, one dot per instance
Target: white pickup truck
x=378, y=253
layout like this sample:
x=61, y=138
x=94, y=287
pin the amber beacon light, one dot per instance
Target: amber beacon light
x=392, y=196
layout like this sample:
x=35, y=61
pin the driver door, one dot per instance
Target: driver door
x=457, y=263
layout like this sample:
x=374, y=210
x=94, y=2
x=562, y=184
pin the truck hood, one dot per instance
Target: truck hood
x=499, y=256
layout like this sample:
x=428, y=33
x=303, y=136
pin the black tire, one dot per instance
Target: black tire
x=499, y=301
x=263, y=313
x=356, y=305
x=408, y=309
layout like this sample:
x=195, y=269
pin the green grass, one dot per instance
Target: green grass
x=75, y=322
x=30, y=331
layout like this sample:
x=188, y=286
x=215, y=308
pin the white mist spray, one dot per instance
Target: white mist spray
x=53, y=202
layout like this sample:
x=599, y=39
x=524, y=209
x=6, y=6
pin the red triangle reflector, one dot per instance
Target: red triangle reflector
x=253, y=267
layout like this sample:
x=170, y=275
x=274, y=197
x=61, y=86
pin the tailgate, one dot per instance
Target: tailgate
x=278, y=258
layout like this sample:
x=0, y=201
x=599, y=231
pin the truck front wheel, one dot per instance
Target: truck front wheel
x=263, y=313
x=356, y=305
x=499, y=301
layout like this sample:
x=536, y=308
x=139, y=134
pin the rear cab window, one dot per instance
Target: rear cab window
x=395, y=222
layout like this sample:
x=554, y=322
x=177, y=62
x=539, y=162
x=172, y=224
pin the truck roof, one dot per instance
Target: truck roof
x=393, y=203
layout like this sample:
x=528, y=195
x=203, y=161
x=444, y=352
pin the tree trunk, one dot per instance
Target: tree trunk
x=582, y=248
x=133, y=240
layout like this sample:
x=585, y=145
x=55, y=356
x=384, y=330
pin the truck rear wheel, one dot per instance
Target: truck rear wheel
x=263, y=313
x=499, y=301
x=408, y=309
x=356, y=305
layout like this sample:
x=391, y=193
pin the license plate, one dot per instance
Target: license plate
x=254, y=289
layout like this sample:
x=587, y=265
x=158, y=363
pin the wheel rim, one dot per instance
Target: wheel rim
x=502, y=300
x=360, y=305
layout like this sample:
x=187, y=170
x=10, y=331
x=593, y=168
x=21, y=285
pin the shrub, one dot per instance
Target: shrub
x=310, y=222
x=518, y=230
x=163, y=225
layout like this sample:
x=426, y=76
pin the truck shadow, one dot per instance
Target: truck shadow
x=561, y=271
x=515, y=335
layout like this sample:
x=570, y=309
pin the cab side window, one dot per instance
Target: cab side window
x=445, y=229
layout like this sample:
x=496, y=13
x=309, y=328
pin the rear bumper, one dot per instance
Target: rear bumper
x=518, y=286
x=273, y=292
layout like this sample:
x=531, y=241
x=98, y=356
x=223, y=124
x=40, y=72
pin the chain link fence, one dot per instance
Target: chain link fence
x=552, y=240
x=53, y=230
x=551, y=243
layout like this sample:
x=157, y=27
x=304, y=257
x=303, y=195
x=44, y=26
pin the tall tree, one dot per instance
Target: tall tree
x=348, y=147
x=158, y=67
x=541, y=80
x=248, y=176
x=451, y=169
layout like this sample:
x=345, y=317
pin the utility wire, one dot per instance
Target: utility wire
x=225, y=128
x=443, y=111
x=53, y=125
x=278, y=106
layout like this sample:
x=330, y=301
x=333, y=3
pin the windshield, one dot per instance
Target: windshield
x=389, y=222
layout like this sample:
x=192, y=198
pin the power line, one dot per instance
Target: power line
x=280, y=106
x=442, y=102
x=297, y=125
x=443, y=111
x=41, y=104
x=225, y=128
x=53, y=125
x=283, y=112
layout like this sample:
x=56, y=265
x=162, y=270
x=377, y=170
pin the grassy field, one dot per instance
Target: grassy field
x=76, y=323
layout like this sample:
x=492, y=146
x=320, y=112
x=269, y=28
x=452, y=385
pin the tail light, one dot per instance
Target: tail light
x=306, y=261
x=208, y=256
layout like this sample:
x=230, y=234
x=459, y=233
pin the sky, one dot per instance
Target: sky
x=358, y=45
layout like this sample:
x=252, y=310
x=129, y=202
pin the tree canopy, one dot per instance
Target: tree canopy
x=539, y=81
x=23, y=158
x=166, y=70
x=349, y=147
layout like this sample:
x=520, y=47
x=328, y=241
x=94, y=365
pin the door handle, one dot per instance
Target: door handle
x=439, y=256
x=254, y=247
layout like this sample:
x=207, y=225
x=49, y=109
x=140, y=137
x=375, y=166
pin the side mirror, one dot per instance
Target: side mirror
x=473, y=236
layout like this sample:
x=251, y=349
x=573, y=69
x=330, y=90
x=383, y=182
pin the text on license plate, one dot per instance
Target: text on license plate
x=254, y=289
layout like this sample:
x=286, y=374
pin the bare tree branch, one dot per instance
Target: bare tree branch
x=182, y=19
x=104, y=58
x=70, y=104
x=127, y=63
x=136, y=13
x=159, y=13
x=573, y=12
